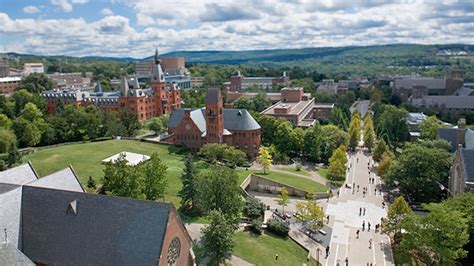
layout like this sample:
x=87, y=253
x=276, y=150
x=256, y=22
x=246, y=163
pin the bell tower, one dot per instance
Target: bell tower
x=214, y=116
x=158, y=84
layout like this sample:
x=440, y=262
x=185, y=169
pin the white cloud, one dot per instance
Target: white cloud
x=63, y=4
x=31, y=10
x=106, y=12
x=79, y=2
x=224, y=25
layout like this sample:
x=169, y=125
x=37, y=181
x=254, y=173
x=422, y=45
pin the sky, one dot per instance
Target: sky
x=133, y=28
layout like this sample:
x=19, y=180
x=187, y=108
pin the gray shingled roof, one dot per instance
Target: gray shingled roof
x=430, y=83
x=469, y=139
x=212, y=95
x=11, y=256
x=4, y=188
x=10, y=209
x=19, y=175
x=448, y=101
x=64, y=179
x=449, y=134
x=105, y=230
x=234, y=119
x=467, y=156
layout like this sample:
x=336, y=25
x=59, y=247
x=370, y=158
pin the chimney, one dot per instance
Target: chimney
x=187, y=112
x=238, y=73
x=284, y=73
x=461, y=131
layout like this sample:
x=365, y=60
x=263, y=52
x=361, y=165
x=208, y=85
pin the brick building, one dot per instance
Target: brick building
x=299, y=108
x=9, y=84
x=241, y=83
x=214, y=124
x=160, y=99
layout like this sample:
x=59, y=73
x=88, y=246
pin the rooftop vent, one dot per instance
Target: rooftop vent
x=72, y=207
x=239, y=113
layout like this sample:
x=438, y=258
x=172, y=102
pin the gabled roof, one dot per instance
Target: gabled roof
x=11, y=256
x=467, y=156
x=212, y=95
x=104, y=230
x=450, y=135
x=197, y=115
x=19, y=175
x=64, y=179
x=469, y=139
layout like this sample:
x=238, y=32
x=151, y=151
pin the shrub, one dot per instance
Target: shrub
x=298, y=167
x=3, y=165
x=278, y=227
x=254, y=208
x=256, y=227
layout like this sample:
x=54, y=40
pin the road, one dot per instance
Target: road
x=345, y=219
x=361, y=106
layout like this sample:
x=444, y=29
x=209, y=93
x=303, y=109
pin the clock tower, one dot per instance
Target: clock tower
x=214, y=116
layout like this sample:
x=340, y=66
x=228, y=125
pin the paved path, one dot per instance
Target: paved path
x=345, y=219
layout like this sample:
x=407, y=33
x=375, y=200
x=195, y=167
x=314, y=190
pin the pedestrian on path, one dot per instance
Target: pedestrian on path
x=363, y=193
x=360, y=211
x=370, y=243
x=346, y=261
x=375, y=190
x=327, y=218
x=276, y=256
x=357, y=188
x=364, y=211
x=363, y=225
x=357, y=233
x=383, y=205
x=357, y=160
x=327, y=251
x=368, y=227
x=338, y=193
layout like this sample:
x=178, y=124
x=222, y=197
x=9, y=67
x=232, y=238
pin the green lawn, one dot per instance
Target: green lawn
x=261, y=250
x=293, y=170
x=287, y=179
x=323, y=172
x=86, y=160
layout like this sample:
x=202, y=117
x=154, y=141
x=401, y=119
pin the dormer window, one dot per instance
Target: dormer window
x=72, y=207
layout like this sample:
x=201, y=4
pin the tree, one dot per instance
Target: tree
x=129, y=121
x=332, y=137
x=264, y=158
x=354, y=130
x=313, y=143
x=121, y=179
x=397, y=213
x=283, y=198
x=244, y=103
x=380, y=148
x=261, y=102
x=156, y=125
x=189, y=190
x=36, y=83
x=337, y=164
x=419, y=171
x=218, y=190
x=391, y=125
x=436, y=238
x=254, y=208
x=429, y=127
x=217, y=238
x=13, y=155
x=155, y=182
x=310, y=212
x=384, y=165
x=5, y=122
x=278, y=227
x=338, y=118
x=234, y=156
x=7, y=138
x=369, y=138
x=91, y=183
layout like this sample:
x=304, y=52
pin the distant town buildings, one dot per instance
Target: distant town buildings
x=214, y=124
x=299, y=108
x=240, y=83
x=160, y=99
x=448, y=107
x=30, y=68
x=51, y=221
x=174, y=69
x=343, y=86
x=462, y=144
x=4, y=67
x=9, y=84
x=414, y=120
x=71, y=80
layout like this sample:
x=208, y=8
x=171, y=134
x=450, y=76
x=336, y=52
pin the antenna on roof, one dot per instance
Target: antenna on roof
x=6, y=238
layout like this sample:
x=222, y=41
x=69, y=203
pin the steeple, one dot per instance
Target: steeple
x=124, y=88
x=157, y=74
x=157, y=57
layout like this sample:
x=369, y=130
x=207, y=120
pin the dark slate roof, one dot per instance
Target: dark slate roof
x=239, y=119
x=11, y=256
x=467, y=156
x=98, y=87
x=449, y=134
x=4, y=188
x=104, y=230
x=234, y=119
x=212, y=95
x=469, y=139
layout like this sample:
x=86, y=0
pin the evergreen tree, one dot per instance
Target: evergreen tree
x=13, y=155
x=91, y=183
x=189, y=190
x=155, y=181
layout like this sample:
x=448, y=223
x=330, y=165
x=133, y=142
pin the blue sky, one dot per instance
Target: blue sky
x=134, y=27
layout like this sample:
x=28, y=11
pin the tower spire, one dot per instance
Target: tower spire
x=157, y=56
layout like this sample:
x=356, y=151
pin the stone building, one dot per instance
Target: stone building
x=214, y=124
x=241, y=83
x=299, y=108
x=159, y=99
x=53, y=222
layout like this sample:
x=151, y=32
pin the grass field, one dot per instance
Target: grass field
x=86, y=160
x=287, y=179
x=293, y=170
x=261, y=250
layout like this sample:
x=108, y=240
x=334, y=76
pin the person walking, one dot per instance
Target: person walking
x=375, y=191
x=357, y=234
x=360, y=211
x=368, y=227
x=346, y=261
x=357, y=188
x=327, y=251
x=364, y=211
x=370, y=243
x=363, y=225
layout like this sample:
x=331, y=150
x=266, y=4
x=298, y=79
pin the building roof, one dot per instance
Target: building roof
x=11, y=256
x=234, y=119
x=131, y=158
x=296, y=107
x=469, y=138
x=19, y=175
x=416, y=118
x=10, y=79
x=4, y=188
x=430, y=83
x=64, y=179
x=450, y=135
x=450, y=101
x=91, y=229
x=467, y=156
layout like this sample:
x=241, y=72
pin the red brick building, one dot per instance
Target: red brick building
x=146, y=103
x=214, y=124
